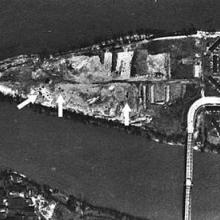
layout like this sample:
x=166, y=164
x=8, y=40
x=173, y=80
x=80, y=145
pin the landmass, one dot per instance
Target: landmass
x=157, y=77
x=22, y=198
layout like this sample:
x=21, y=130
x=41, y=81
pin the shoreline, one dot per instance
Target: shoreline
x=69, y=176
x=97, y=121
x=19, y=186
x=146, y=132
x=80, y=107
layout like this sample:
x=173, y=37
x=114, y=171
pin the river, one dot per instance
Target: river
x=106, y=166
x=30, y=26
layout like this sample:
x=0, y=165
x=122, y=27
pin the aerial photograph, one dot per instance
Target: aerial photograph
x=110, y=109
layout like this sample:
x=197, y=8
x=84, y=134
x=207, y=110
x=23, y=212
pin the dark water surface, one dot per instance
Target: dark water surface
x=29, y=26
x=106, y=166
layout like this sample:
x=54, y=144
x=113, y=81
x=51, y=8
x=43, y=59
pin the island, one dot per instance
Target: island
x=157, y=78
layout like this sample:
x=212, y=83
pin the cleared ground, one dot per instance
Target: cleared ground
x=106, y=166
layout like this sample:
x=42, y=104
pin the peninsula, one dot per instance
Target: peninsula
x=157, y=78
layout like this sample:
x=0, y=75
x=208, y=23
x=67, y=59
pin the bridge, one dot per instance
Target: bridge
x=195, y=107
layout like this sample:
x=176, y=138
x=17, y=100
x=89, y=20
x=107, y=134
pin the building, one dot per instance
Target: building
x=161, y=92
x=169, y=59
x=214, y=57
x=108, y=60
x=119, y=62
x=123, y=65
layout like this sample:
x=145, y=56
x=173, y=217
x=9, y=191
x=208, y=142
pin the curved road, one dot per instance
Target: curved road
x=202, y=102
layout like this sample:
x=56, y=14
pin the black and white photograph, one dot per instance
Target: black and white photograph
x=110, y=109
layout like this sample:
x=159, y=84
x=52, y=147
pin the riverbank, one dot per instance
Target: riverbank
x=21, y=198
x=62, y=25
x=89, y=88
x=106, y=166
x=93, y=93
x=101, y=122
x=146, y=132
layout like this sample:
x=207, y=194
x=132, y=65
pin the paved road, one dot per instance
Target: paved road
x=106, y=166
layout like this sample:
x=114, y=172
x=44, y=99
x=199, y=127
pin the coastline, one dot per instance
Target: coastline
x=150, y=134
x=41, y=201
x=104, y=166
x=9, y=95
x=93, y=92
x=88, y=160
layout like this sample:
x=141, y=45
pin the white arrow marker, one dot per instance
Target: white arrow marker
x=60, y=102
x=31, y=99
x=126, y=110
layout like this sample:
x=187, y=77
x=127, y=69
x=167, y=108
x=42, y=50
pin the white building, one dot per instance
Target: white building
x=123, y=66
x=108, y=60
